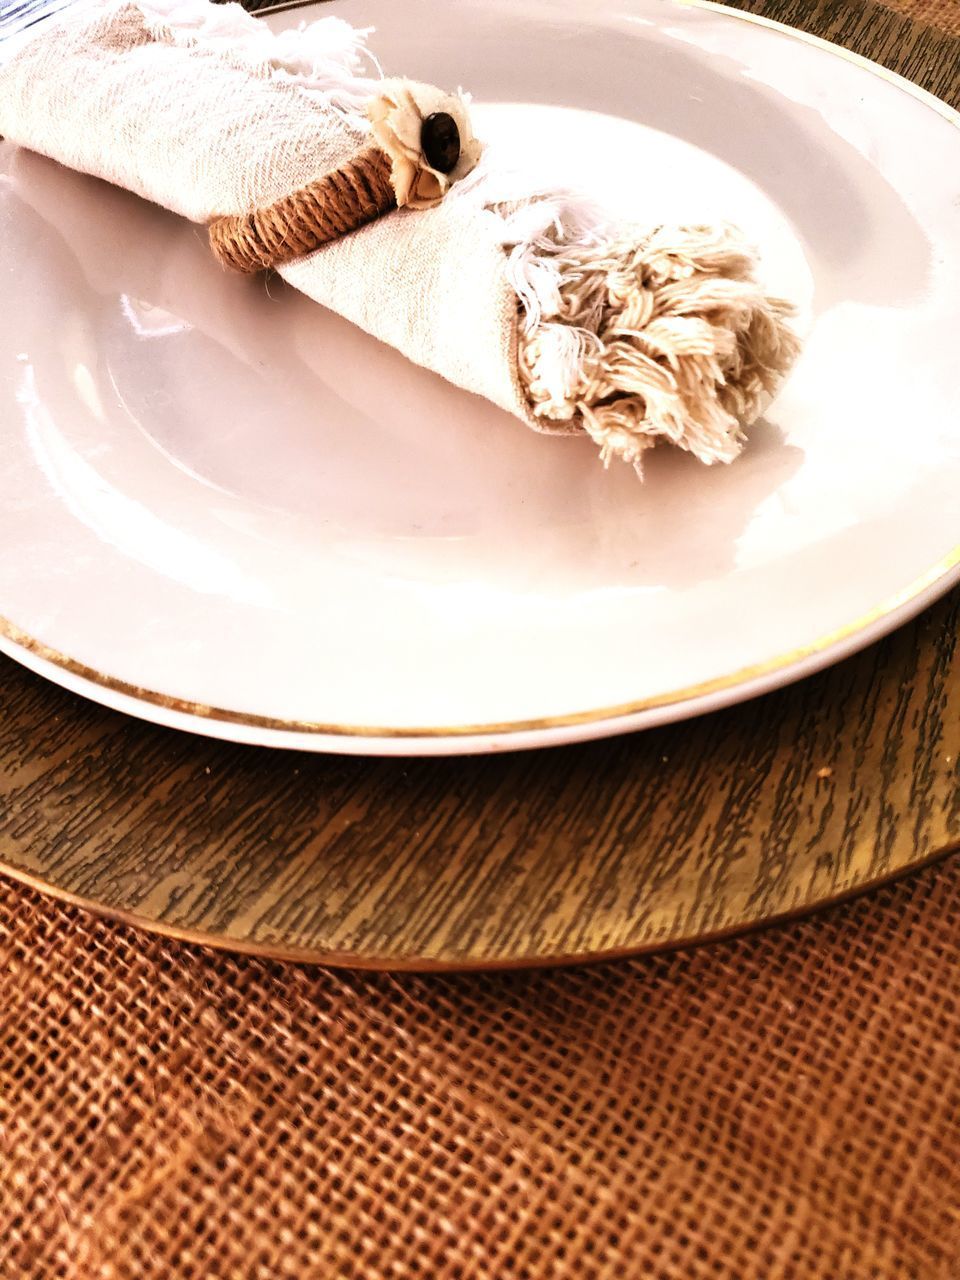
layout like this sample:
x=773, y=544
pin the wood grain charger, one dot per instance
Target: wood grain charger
x=657, y=839
x=654, y=839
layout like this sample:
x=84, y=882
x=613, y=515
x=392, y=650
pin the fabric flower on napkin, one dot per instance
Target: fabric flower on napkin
x=402, y=116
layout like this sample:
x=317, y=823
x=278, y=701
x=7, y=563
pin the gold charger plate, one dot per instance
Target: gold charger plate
x=583, y=852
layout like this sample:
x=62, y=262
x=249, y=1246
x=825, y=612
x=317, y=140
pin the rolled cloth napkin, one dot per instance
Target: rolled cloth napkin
x=527, y=297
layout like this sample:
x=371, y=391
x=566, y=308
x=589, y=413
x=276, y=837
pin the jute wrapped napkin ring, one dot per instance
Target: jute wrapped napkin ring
x=374, y=197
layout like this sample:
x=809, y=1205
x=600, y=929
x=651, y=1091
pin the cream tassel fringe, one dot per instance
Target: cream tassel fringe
x=638, y=337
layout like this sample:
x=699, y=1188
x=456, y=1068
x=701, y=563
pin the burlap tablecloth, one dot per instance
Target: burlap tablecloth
x=782, y=1105
x=944, y=14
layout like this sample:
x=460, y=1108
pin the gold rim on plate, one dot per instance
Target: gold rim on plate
x=935, y=583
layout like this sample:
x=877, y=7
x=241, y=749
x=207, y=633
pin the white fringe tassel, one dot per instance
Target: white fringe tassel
x=639, y=336
x=327, y=56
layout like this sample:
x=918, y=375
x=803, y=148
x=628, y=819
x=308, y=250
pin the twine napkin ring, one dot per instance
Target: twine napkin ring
x=423, y=144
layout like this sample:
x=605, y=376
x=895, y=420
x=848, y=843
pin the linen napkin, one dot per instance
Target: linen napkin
x=528, y=297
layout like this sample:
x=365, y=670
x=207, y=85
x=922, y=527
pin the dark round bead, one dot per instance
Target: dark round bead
x=440, y=141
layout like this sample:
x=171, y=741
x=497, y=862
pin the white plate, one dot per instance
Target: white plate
x=236, y=514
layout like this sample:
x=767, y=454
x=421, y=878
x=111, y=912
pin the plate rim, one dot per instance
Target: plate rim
x=740, y=685
x=670, y=707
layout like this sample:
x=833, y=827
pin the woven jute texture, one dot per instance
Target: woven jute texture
x=783, y=1105
x=944, y=14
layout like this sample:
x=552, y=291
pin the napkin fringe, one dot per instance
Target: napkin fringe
x=634, y=336
x=327, y=57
